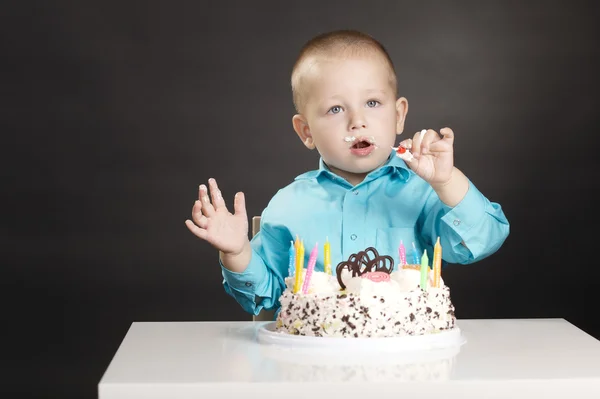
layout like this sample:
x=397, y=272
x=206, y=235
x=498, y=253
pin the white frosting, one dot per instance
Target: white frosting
x=366, y=308
x=407, y=156
x=367, y=288
x=370, y=139
x=320, y=283
x=410, y=279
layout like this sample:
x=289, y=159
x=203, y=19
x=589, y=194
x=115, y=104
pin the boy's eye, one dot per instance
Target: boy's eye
x=335, y=110
x=372, y=103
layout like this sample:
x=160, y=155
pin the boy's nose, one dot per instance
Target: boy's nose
x=357, y=121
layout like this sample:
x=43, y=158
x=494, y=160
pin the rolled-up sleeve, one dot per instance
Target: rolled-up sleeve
x=470, y=231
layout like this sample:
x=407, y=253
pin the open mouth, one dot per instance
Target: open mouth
x=362, y=147
x=361, y=144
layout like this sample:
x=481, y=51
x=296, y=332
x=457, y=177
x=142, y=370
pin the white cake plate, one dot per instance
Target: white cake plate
x=409, y=343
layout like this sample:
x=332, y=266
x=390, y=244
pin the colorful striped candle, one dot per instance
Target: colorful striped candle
x=309, y=269
x=327, y=257
x=424, y=270
x=437, y=263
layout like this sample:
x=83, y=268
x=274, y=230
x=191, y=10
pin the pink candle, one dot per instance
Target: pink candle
x=402, y=253
x=309, y=268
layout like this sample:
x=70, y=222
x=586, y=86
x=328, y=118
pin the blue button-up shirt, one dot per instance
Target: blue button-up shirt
x=392, y=204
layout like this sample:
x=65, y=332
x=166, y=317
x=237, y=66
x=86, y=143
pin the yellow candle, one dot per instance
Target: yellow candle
x=301, y=263
x=296, y=274
x=327, y=257
x=299, y=266
x=437, y=263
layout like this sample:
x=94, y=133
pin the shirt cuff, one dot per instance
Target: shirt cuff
x=247, y=282
x=468, y=212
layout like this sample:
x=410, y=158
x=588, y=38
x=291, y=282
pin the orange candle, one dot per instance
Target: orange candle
x=437, y=263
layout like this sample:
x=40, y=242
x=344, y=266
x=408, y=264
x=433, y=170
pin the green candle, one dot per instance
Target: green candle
x=424, y=270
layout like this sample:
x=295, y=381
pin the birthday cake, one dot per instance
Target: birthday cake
x=367, y=297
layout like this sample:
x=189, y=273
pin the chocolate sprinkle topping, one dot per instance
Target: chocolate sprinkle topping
x=363, y=262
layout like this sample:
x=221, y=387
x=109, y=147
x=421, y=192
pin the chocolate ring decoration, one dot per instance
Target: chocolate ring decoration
x=362, y=263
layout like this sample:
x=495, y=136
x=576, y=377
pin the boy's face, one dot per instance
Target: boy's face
x=350, y=114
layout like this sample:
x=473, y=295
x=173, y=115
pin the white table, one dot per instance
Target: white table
x=529, y=358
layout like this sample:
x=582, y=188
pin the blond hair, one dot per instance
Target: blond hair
x=339, y=43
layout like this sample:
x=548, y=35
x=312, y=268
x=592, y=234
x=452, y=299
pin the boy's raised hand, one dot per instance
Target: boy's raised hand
x=434, y=155
x=211, y=221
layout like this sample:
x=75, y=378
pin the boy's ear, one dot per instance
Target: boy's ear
x=303, y=131
x=401, y=111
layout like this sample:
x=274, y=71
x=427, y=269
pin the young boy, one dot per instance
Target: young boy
x=363, y=195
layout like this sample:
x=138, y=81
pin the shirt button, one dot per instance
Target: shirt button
x=356, y=192
x=456, y=222
x=353, y=237
x=248, y=284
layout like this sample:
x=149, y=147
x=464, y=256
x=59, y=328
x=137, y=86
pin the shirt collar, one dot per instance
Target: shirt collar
x=394, y=165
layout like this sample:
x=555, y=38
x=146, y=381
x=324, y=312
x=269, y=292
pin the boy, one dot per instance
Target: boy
x=344, y=90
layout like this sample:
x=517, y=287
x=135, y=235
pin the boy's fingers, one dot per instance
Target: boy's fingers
x=207, y=208
x=428, y=138
x=408, y=143
x=215, y=195
x=196, y=211
x=448, y=134
x=197, y=231
x=197, y=217
x=197, y=208
x=239, y=204
x=443, y=143
x=417, y=142
x=201, y=221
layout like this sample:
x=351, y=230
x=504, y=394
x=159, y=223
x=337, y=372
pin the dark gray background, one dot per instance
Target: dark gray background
x=113, y=113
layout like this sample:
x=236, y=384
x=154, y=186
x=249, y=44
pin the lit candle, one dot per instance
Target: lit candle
x=327, y=257
x=402, y=254
x=309, y=268
x=415, y=254
x=437, y=263
x=292, y=262
x=424, y=270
